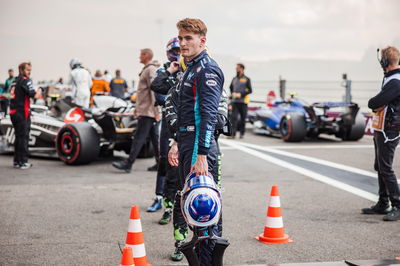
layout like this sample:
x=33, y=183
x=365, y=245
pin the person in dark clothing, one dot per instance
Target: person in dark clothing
x=4, y=101
x=146, y=111
x=172, y=182
x=199, y=94
x=118, y=85
x=386, y=104
x=20, y=93
x=240, y=90
x=161, y=84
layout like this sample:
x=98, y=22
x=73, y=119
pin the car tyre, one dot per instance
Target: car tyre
x=293, y=127
x=355, y=131
x=77, y=143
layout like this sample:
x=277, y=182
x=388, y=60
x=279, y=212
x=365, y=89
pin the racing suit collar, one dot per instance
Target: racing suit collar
x=392, y=72
x=197, y=58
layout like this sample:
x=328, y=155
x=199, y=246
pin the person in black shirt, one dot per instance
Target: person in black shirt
x=240, y=89
x=20, y=93
x=387, y=138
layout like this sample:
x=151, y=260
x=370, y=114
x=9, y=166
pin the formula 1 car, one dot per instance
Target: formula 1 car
x=84, y=134
x=293, y=120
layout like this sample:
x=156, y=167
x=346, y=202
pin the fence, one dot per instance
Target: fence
x=318, y=91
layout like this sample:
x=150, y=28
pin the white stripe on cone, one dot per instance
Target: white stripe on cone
x=137, y=250
x=274, y=202
x=135, y=226
x=274, y=222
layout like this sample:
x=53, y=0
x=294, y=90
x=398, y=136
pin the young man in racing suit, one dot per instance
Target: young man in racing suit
x=20, y=93
x=387, y=140
x=199, y=94
x=161, y=85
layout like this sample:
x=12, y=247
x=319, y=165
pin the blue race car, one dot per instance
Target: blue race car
x=293, y=120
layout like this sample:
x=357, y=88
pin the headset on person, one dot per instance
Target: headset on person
x=383, y=61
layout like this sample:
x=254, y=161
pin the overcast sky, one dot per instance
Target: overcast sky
x=108, y=34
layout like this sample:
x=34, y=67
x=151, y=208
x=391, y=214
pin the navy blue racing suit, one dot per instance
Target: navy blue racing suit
x=161, y=85
x=199, y=95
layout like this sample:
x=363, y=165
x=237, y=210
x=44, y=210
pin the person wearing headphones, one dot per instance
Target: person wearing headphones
x=386, y=105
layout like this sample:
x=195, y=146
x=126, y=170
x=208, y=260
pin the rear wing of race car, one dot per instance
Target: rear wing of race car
x=347, y=116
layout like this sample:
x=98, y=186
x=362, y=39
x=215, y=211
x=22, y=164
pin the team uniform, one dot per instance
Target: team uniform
x=386, y=141
x=81, y=82
x=161, y=85
x=118, y=86
x=20, y=93
x=240, y=84
x=3, y=98
x=199, y=95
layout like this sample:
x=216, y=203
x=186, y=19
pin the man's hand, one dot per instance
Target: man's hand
x=201, y=165
x=173, y=67
x=173, y=154
x=157, y=117
x=38, y=93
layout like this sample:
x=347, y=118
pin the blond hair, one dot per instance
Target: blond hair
x=193, y=25
x=392, y=55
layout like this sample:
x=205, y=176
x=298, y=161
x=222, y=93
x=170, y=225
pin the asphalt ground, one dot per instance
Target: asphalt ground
x=55, y=214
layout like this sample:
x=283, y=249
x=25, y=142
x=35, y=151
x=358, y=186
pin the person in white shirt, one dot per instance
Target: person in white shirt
x=81, y=82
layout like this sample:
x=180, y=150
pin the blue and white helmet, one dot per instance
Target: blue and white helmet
x=201, y=201
x=173, y=50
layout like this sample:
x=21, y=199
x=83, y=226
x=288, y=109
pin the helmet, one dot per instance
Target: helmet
x=172, y=48
x=201, y=201
x=75, y=62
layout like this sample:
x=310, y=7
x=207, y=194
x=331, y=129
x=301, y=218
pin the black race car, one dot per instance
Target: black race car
x=83, y=134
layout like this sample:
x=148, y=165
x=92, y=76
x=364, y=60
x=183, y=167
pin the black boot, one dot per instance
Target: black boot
x=378, y=208
x=123, y=166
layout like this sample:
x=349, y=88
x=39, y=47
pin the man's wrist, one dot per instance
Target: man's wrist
x=202, y=150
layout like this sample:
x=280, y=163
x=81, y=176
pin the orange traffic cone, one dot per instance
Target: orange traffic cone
x=127, y=257
x=134, y=238
x=274, y=233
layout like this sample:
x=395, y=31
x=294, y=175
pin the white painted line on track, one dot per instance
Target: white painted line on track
x=302, y=171
x=312, y=159
x=314, y=147
x=226, y=148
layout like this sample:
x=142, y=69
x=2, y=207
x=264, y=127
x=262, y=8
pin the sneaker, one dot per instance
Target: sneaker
x=153, y=168
x=17, y=165
x=241, y=136
x=166, y=218
x=177, y=255
x=393, y=215
x=25, y=166
x=122, y=166
x=378, y=208
x=157, y=204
